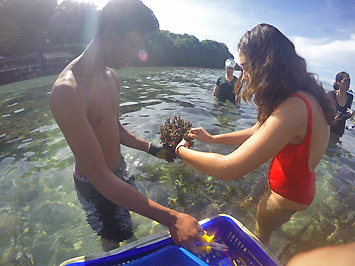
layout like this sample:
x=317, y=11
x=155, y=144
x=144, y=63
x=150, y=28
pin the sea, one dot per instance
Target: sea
x=42, y=222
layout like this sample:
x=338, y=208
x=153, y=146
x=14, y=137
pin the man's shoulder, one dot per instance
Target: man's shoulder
x=114, y=75
x=65, y=88
x=65, y=82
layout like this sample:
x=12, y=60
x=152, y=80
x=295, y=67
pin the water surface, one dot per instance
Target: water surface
x=41, y=220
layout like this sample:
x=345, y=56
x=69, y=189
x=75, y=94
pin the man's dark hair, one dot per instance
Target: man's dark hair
x=126, y=16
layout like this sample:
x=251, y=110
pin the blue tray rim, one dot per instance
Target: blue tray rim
x=163, y=238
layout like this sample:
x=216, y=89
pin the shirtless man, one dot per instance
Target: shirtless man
x=84, y=102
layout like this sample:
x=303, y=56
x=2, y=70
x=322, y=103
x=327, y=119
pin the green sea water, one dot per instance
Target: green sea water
x=41, y=219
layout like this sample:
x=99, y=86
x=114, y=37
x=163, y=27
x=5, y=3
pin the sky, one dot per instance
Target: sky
x=323, y=31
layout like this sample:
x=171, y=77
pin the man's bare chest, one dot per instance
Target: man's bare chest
x=102, y=105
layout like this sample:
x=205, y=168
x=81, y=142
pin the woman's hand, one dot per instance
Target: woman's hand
x=201, y=135
x=183, y=143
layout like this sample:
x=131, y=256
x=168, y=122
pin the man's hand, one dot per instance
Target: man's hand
x=162, y=152
x=186, y=231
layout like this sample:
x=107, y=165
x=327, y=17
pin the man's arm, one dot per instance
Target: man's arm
x=69, y=110
x=127, y=138
x=130, y=140
x=160, y=151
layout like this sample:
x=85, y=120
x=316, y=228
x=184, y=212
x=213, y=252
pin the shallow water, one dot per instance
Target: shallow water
x=41, y=220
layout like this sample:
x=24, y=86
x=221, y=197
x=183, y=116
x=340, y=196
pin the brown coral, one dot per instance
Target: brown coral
x=173, y=131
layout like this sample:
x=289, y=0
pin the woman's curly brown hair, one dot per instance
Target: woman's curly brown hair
x=276, y=72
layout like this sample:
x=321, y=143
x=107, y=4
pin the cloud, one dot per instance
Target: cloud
x=327, y=57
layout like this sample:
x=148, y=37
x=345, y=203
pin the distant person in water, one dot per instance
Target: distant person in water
x=343, y=100
x=224, y=88
x=292, y=128
x=84, y=102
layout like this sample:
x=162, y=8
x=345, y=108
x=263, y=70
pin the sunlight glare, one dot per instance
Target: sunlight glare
x=142, y=55
x=98, y=3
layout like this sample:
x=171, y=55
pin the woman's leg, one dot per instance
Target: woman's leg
x=269, y=217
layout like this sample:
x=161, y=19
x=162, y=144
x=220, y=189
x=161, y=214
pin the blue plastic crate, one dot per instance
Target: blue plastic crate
x=171, y=255
x=244, y=249
x=125, y=255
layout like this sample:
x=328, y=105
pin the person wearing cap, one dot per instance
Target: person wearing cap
x=224, y=89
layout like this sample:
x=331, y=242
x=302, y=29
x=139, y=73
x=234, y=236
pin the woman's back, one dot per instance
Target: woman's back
x=291, y=173
x=320, y=132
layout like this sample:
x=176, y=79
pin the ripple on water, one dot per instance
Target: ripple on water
x=19, y=111
x=36, y=165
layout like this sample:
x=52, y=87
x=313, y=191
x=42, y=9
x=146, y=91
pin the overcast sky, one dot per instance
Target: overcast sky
x=323, y=31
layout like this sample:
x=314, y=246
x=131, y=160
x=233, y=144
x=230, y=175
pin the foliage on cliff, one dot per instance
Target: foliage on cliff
x=28, y=26
x=166, y=49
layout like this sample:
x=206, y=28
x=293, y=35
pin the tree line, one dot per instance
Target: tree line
x=28, y=26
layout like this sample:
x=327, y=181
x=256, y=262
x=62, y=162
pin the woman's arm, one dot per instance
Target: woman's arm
x=233, y=138
x=283, y=125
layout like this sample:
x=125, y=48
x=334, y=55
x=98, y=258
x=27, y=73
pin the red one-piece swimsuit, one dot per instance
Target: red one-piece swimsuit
x=289, y=174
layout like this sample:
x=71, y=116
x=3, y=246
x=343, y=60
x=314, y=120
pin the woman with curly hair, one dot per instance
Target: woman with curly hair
x=292, y=128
